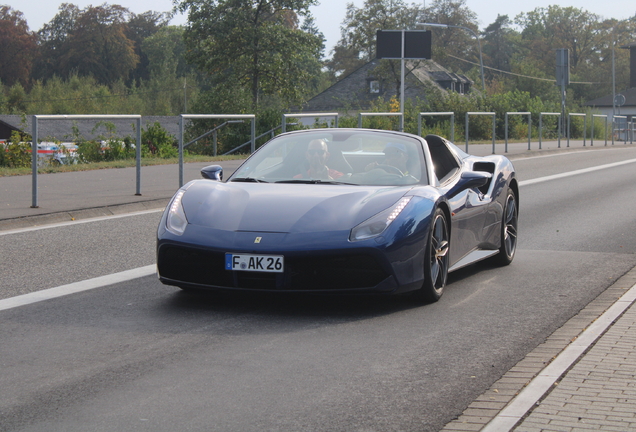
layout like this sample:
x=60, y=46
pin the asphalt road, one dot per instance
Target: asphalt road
x=138, y=355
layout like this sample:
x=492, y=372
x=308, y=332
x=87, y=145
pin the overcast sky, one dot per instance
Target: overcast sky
x=330, y=13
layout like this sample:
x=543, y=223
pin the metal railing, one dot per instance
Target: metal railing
x=184, y=117
x=305, y=115
x=541, y=127
x=570, y=115
x=628, y=130
x=34, y=148
x=606, y=124
x=529, y=126
x=214, y=135
x=271, y=133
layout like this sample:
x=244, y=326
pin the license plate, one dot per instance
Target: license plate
x=259, y=263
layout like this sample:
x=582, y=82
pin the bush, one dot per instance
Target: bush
x=157, y=142
x=15, y=153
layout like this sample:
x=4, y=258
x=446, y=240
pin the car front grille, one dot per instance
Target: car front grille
x=201, y=267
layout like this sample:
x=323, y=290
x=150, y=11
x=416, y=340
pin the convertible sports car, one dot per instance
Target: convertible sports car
x=341, y=210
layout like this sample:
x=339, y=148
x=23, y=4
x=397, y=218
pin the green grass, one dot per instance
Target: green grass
x=127, y=163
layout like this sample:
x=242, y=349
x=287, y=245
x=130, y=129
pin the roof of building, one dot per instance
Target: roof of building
x=352, y=92
x=607, y=101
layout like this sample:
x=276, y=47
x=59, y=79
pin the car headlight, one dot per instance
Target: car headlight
x=176, y=221
x=374, y=226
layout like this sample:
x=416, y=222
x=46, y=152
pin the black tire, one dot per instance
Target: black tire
x=509, y=224
x=436, y=259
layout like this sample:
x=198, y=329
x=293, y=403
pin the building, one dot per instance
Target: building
x=357, y=91
x=625, y=103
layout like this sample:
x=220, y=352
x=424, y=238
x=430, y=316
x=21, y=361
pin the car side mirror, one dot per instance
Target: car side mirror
x=212, y=172
x=470, y=179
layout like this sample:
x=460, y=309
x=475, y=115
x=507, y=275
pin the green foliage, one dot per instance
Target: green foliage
x=15, y=153
x=255, y=47
x=157, y=142
x=18, y=47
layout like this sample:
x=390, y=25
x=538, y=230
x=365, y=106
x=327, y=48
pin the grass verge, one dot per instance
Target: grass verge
x=127, y=163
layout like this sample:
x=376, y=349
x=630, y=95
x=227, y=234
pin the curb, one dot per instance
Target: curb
x=504, y=391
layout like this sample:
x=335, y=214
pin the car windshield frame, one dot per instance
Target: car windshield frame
x=337, y=156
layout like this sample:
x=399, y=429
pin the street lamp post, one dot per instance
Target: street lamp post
x=481, y=61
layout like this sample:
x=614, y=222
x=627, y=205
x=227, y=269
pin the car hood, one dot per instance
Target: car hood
x=284, y=208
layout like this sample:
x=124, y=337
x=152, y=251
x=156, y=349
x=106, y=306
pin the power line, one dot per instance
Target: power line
x=519, y=75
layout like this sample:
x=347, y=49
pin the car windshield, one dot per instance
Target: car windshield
x=330, y=156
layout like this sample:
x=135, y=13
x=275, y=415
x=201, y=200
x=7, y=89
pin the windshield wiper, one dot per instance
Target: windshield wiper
x=248, y=180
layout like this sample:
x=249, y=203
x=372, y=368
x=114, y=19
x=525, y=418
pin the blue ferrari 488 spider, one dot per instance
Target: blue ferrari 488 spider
x=341, y=210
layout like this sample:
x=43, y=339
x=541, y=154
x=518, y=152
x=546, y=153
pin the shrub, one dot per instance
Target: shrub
x=156, y=141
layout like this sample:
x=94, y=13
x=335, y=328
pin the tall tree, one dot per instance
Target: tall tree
x=499, y=43
x=256, y=46
x=92, y=41
x=546, y=29
x=98, y=45
x=357, y=43
x=18, y=47
x=53, y=38
x=139, y=28
x=453, y=47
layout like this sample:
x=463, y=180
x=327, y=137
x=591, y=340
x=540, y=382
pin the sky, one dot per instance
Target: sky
x=330, y=13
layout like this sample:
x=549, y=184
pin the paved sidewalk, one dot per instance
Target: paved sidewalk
x=599, y=393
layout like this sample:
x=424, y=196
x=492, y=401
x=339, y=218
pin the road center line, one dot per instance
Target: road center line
x=76, y=287
x=573, y=173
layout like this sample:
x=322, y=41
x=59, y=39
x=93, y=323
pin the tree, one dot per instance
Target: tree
x=91, y=41
x=139, y=28
x=453, y=47
x=98, y=45
x=253, y=47
x=53, y=38
x=18, y=47
x=357, y=43
x=547, y=29
x=499, y=42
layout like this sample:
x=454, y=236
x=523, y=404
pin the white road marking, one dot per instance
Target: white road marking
x=76, y=287
x=80, y=221
x=573, y=173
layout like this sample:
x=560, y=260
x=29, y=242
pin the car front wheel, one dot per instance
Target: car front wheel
x=436, y=259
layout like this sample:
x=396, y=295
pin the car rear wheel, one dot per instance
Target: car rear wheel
x=509, y=225
x=435, y=259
